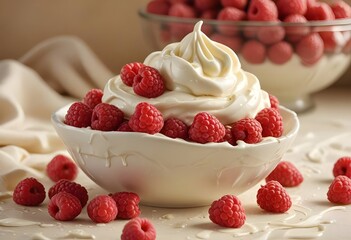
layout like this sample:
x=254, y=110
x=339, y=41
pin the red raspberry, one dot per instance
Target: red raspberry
x=271, y=35
x=182, y=10
x=240, y=4
x=319, y=11
x=248, y=130
x=64, y=206
x=286, y=174
x=102, y=209
x=228, y=137
x=146, y=118
x=78, y=115
x=341, y=9
x=61, y=167
x=138, y=229
x=289, y=7
x=274, y=101
x=129, y=71
x=230, y=14
x=71, y=187
x=310, y=48
x=127, y=204
x=227, y=212
x=124, y=127
x=206, y=128
x=262, y=10
x=294, y=34
x=340, y=190
x=233, y=42
x=106, y=117
x=271, y=122
x=93, y=97
x=175, y=128
x=342, y=167
x=331, y=40
x=160, y=7
x=177, y=1
x=203, y=5
x=272, y=197
x=254, y=52
x=148, y=83
x=29, y=192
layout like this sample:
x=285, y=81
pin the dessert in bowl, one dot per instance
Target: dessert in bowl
x=200, y=76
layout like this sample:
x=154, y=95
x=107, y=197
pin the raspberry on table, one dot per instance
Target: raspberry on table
x=129, y=71
x=29, y=192
x=175, y=128
x=310, y=48
x=61, y=167
x=240, y=4
x=127, y=204
x=290, y=7
x=93, y=97
x=270, y=34
x=148, y=82
x=64, y=206
x=339, y=191
x=254, y=51
x=286, y=174
x=78, y=115
x=272, y=197
x=274, y=101
x=227, y=212
x=146, y=118
x=73, y=188
x=341, y=9
x=271, y=122
x=248, y=130
x=102, y=209
x=106, y=117
x=342, y=167
x=206, y=128
x=139, y=229
x=262, y=10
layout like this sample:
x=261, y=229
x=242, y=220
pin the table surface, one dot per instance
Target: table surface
x=324, y=136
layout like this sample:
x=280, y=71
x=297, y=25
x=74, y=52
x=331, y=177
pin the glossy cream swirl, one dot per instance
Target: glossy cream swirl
x=200, y=75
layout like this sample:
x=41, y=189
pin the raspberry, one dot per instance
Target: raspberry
x=138, y=229
x=204, y=5
x=272, y=197
x=248, y=130
x=146, y=118
x=227, y=212
x=253, y=52
x=331, y=40
x=129, y=71
x=310, y=48
x=64, y=206
x=262, y=10
x=289, y=7
x=78, y=115
x=339, y=191
x=342, y=167
x=124, y=127
x=127, y=204
x=293, y=33
x=29, y=192
x=230, y=14
x=206, y=128
x=61, y=167
x=271, y=35
x=106, y=117
x=286, y=174
x=71, y=187
x=160, y=7
x=102, y=209
x=341, y=9
x=175, y=128
x=182, y=10
x=319, y=11
x=240, y=4
x=228, y=137
x=148, y=82
x=274, y=101
x=233, y=42
x=93, y=97
x=271, y=122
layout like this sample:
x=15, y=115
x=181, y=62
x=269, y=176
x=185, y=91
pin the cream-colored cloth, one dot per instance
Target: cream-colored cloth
x=50, y=75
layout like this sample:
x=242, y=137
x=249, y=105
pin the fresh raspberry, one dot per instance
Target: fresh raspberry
x=102, y=209
x=64, y=206
x=230, y=14
x=29, y=192
x=254, y=52
x=159, y=7
x=270, y=35
x=182, y=10
x=203, y=5
x=146, y=118
x=208, y=14
x=228, y=137
x=127, y=204
x=206, y=128
x=310, y=48
x=339, y=191
x=73, y=188
x=175, y=128
x=233, y=42
x=248, y=130
x=332, y=41
x=78, y=115
x=129, y=71
x=148, y=83
x=289, y=7
x=227, y=212
x=106, y=117
x=124, y=127
x=342, y=167
x=272, y=197
x=262, y=10
x=341, y=9
x=61, y=167
x=271, y=122
x=93, y=97
x=319, y=11
x=139, y=229
x=293, y=33
x=286, y=174
x=274, y=101
x=240, y=4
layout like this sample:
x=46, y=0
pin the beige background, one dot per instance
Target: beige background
x=110, y=27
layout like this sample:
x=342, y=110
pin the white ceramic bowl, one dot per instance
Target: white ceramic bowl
x=171, y=172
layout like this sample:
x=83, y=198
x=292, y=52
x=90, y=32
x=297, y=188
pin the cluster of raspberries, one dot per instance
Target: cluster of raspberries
x=256, y=44
x=149, y=83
